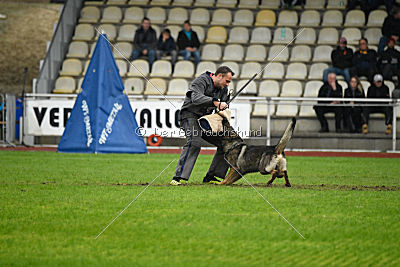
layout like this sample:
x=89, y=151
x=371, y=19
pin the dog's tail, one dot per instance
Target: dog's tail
x=286, y=137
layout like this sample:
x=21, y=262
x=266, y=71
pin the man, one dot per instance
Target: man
x=390, y=28
x=145, y=42
x=331, y=89
x=364, y=61
x=342, y=61
x=206, y=92
x=166, y=46
x=188, y=43
x=389, y=61
x=378, y=90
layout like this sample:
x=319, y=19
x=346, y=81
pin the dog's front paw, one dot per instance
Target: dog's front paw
x=288, y=185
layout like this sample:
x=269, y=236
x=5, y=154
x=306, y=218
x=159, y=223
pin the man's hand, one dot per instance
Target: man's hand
x=144, y=52
x=220, y=105
x=190, y=49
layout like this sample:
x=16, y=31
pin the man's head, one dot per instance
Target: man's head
x=342, y=42
x=166, y=33
x=396, y=12
x=378, y=80
x=223, y=77
x=363, y=44
x=186, y=26
x=391, y=42
x=146, y=23
x=331, y=78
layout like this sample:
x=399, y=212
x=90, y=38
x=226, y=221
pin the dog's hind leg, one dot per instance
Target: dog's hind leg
x=287, y=183
x=274, y=172
x=232, y=177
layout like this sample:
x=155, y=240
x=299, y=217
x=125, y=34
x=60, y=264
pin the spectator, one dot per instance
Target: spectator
x=342, y=61
x=353, y=114
x=145, y=42
x=378, y=90
x=390, y=28
x=331, y=89
x=389, y=61
x=364, y=61
x=369, y=5
x=188, y=43
x=166, y=46
x=291, y=3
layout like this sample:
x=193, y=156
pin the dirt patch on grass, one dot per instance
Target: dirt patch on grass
x=23, y=37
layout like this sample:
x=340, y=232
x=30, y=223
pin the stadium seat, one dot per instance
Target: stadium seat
x=273, y=4
x=233, y=52
x=86, y=67
x=160, y=2
x=216, y=34
x=200, y=16
x=282, y=35
x=177, y=15
x=291, y=88
x=157, y=30
x=391, y=86
x=261, y=110
x=134, y=86
x=249, y=69
x=89, y=14
x=126, y=33
x=211, y=52
x=336, y=4
x=301, y=53
x=322, y=53
x=365, y=85
x=307, y=110
x=251, y=88
x=204, y=66
x=156, y=15
x=94, y=3
x=233, y=66
x=297, y=71
x=373, y=35
x=108, y=29
x=307, y=36
x=376, y=18
x=64, y=85
x=315, y=4
x=122, y=50
x=256, y=53
x=139, y=68
x=274, y=70
x=79, y=87
x=175, y=29
x=328, y=36
x=243, y=17
x=185, y=3
x=92, y=47
x=268, y=88
x=332, y=18
x=156, y=86
x=226, y=3
x=317, y=70
x=138, y=2
x=78, y=50
x=352, y=35
x=200, y=32
x=251, y=4
x=183, y=69
x=312, y=88
x=71, y=67
x=133, y=15
x=111, y=14
x=122, y=67
x=287, y=18
x=354, y=18
x=177, y=87
x=310, y=18
x=204, y=3
x=278, y=53
x=286, y=109
x=260, y=35
x=238, y=35
x=265, y=18
x=221, y=17
x=161, y=68
x=83, y=32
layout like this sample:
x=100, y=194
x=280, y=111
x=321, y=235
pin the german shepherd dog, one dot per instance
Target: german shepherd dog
x=247, y=159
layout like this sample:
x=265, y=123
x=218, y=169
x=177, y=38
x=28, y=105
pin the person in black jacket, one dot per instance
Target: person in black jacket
x=389, y=61
x=331, y=89
x=353, y=114
x=188, y=43
x=390, y=28
x=364, y=61
x=166, y=46
x=145, y=42
x=342, y=61
x=378, y=90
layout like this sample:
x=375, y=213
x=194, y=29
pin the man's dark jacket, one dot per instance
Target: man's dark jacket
x=167, y=46
x=327, y=91
x=365, y=59
x=378, y=92
x=389, y=56
x=342, y=58
x=391, y=26
x=183, y=40
x=145, y=39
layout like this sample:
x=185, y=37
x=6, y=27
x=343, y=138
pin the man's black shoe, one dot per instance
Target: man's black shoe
x=210, y=179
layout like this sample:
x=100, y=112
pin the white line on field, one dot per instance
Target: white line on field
x=266, y=200
x=133, y=200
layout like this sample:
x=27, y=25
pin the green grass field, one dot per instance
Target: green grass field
x=53, y=205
